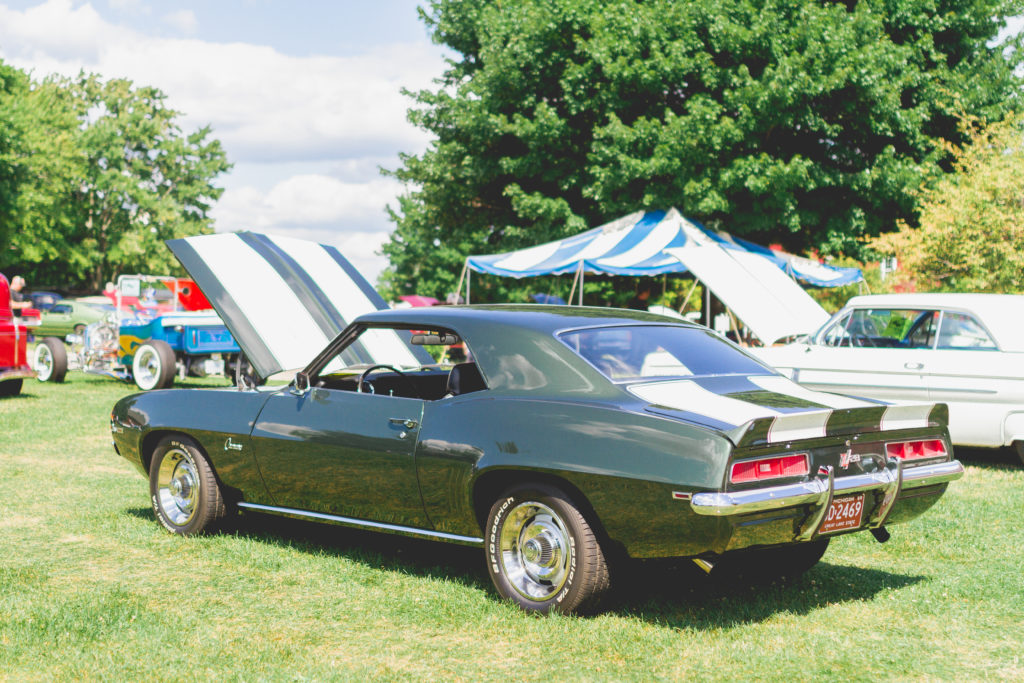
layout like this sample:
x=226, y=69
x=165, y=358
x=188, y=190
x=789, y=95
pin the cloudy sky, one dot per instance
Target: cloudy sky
x=304, y=95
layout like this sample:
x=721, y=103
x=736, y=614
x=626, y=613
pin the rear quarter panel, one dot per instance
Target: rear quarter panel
x=622, y=465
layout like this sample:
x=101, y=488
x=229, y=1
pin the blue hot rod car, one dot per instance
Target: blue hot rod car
x=145, y=342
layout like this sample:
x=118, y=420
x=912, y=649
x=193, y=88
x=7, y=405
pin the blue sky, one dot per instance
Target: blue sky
x=305, y=96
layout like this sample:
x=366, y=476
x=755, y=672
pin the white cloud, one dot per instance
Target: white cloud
x=183, y=21
x=348, y=215
x=279, y=112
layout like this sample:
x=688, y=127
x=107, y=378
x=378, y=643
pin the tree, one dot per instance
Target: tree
x=109, y=177
x=808, y=123
x=971, y=232
x=13, y=84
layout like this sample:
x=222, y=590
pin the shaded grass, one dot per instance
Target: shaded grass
x=92, y=588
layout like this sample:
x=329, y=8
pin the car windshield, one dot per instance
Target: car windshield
x=645, y=351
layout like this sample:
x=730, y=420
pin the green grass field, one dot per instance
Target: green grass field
x=91, y=588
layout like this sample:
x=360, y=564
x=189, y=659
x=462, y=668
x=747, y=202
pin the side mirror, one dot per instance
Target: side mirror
x=300, y=385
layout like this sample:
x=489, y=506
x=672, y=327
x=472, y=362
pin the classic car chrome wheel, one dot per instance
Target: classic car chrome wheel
x=178, y=487
x=184, y=490
x=534, y=547
x=542, y=554
x=153, y=365
x=50, y=360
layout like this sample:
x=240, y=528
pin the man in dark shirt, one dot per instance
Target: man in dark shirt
x=18, y=298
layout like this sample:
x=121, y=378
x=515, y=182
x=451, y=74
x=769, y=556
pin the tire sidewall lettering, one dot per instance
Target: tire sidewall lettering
x=495, y=562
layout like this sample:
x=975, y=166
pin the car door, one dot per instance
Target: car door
x=342, y=453
x=56, y=321
x=876, y=353
x=978, y=382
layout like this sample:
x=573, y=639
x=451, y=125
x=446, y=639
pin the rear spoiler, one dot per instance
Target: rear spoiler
x=845, y=422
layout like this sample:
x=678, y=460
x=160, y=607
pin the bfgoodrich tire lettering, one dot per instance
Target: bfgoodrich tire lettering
x=542, y=553
x=186, y=497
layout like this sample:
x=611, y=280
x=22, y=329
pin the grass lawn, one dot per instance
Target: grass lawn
x=91, y=587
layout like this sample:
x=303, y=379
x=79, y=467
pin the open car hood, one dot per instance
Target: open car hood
x=283, y=299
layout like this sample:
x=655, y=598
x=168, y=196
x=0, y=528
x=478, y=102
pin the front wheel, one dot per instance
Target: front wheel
x=51, y=360
x=542, y=554
x=154, y=365
x=184, y=491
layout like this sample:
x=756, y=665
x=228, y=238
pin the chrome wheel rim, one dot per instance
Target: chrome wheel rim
x=178, y=487
x=44, y=362
x=535, y=551
x=146, y=367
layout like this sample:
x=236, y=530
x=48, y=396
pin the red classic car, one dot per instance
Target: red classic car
x=14, y=365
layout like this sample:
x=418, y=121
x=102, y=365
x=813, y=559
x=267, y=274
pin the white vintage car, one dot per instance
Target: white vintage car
x=965, y=350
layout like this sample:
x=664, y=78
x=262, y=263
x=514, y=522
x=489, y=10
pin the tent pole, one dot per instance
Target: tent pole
x=467, y=287
x=462, y=276
x=707, y=306
x=686, y=299
x=581, y=283
x=572, y=292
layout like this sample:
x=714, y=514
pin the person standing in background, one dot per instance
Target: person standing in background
x=18, y=298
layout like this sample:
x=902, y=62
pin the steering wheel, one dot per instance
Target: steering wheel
x=372, y=368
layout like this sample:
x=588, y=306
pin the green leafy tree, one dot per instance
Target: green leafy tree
x=110, y=177
x=13, y=85
x=809, y=123
x=971, y=232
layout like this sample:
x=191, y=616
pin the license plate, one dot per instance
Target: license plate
x=844, y=513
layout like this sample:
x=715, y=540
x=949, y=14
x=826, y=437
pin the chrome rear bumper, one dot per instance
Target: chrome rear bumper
x=820, y=491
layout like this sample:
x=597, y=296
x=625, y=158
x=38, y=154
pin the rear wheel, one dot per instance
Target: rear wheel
x=542, y=553
x=11, y=387
x=185, y=494
x=154, y=365
x=51, y=360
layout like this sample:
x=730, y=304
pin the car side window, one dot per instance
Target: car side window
x=62, y=309
x=962, y=331
x=836, y=334
x=922, y=332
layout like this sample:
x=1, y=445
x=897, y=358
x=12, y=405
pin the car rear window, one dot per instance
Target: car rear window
x=625, y=353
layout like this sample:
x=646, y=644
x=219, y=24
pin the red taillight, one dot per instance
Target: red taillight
x=770, y=468
x=911, y=450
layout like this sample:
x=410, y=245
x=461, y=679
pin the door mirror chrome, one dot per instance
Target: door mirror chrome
x=300, y=385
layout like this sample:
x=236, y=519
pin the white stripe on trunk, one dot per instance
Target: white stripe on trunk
x=912, y=416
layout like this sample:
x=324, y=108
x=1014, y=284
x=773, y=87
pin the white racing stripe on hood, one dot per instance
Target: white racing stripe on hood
x=906, y=416
x=686, y=395
x=784, y=385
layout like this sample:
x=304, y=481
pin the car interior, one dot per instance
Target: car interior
x=454, y=374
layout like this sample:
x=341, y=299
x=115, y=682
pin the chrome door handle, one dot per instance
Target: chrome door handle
x=913, y=366
x=404, y=421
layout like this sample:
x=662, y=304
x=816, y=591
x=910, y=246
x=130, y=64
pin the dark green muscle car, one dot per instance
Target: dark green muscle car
x=566, y=439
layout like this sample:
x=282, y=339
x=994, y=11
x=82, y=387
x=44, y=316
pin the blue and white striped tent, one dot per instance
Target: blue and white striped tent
x=757, y=284
x=636, y=245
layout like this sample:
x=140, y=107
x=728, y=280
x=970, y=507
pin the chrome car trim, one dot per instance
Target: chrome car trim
x=892, y=491
x=811, y=492
x=809, y=529
x=350, y=521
